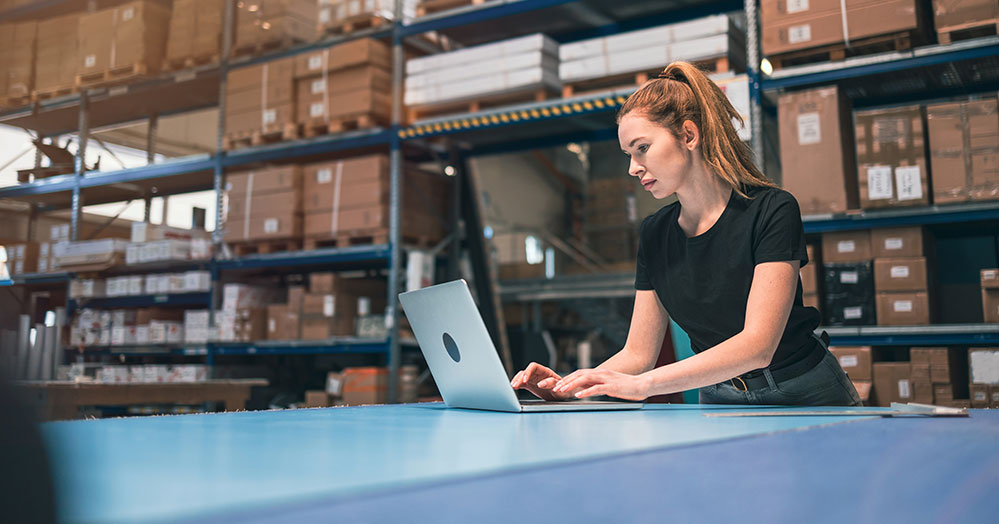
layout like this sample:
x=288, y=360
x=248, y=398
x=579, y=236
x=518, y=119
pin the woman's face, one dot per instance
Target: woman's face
x=660, y=160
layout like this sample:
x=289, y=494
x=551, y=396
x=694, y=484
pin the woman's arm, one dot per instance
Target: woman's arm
x=645, y=336
x=770, y=299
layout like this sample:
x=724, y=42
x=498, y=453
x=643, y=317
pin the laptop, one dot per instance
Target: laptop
x=463, y=360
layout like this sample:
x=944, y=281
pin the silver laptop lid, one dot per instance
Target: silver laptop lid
x=458, y=349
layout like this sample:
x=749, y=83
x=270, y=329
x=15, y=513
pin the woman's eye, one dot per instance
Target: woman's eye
x=643, y=148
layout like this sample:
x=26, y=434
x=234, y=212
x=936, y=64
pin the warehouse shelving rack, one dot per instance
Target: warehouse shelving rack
x=512, y=128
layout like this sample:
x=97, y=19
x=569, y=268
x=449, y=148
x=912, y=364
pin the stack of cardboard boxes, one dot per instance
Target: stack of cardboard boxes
x=264, y=205
x=274, y=23
x=892, y=383
x=848, y=279
x=337, y=15
x=983, y=367
x=195, y=32
x=858, y=365
x=131, y=37
x=350, y=81
x=956, y=15
x=329, y=309
x=22, y=258
x=990, y=294
x=55, y=58
x=350, y=198
x=800, y=25
x=939, y=376
x=243, y=317
x=361, y=386
x=260, y=99
x=901, y=276
x=964, y=149
x=17, y=61
x=891, y=157
x=612, y=219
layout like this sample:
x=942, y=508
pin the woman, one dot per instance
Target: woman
x=723, y=261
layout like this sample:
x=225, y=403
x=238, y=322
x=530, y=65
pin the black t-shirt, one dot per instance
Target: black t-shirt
x=704, y=281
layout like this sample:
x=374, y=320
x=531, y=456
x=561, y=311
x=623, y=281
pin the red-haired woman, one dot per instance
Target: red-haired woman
x=723, y=260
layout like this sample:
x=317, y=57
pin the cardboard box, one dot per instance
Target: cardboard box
x=17, y=63
x=274, y=23
x=793, y=26
x=943, y=393
x=856, y=361
x=849, y=297
x=282, y=323
x=983, y=364
x=810, y=273
x=990, y=304
x=903, y=308
x=979, y=395
x=950, y=13
x=990, y=278
x=891, y=157
x=817, y=158
x=922, y=392
x=55, y=56
x=964, y=150
x=846, y=247
x=264, y=181
x=323, y=107
x=900, y=274
x=195, y=30
x=134, y=33
x=359, y=52
x=993, y=397
x=365, y=386
x=317, y=399
x=900, y=242
x=863, y=388
x=260, y=97
x=892, y=383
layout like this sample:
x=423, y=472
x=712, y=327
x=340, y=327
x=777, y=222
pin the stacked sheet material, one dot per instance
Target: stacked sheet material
x=705, y=38
x=525, y=63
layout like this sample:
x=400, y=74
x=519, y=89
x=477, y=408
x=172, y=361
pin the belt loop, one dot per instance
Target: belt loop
x=770, y=379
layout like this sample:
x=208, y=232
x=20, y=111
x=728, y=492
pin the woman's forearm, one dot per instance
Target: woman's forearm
x=628, y=361
x=737, y=355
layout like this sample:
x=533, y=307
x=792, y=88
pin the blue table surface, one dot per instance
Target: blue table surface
x=168, y=468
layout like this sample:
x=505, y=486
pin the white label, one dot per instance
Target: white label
x=902, y=306
x=846, y=246
x=271, y=225
x=849, y=277
x=127, y=14
x=271, y=325
x=797, y=6
x=270, y=116
x=315, y=62
x=989, y=274
x=879, y=183
x=799, y=33
x=328, y=306
x=324, y=18
x=324, y=176
x=893, y=244
x=809, y=129
x=363, y=306
x=848, y=361
x=903, y=388
x=89, y=60
x=850, y=313
x=318, y=86
x=910, y=184
x=900, y=272
x=317, y=109
x=980, y=396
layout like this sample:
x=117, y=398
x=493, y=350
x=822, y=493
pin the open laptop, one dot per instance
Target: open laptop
x=462, y=357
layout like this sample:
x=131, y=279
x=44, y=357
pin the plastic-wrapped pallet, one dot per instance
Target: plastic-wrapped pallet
x=705, y=38
x=335, y=14
x=525, y=63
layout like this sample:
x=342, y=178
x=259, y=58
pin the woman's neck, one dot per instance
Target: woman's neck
x=702, y=200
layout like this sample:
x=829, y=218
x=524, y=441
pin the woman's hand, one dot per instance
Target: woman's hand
x=539, y=380
x=589, y=382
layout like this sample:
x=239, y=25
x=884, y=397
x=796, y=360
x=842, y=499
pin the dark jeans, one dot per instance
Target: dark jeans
x=824, y=385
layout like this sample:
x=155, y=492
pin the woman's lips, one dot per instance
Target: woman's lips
x=648, y=184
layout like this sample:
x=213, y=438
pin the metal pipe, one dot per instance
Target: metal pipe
x=395, y=204
x=753, y=70
x=80, y=166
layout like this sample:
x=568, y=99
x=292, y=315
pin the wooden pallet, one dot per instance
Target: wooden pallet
x=976, y=29
x=366, y=238
x=268, y=135
x=259, y=48
x=428, y=7
x=720, y=64
x=344, y=123
x=537, y=94
x=355, y=23
x=840, y=51
x=262, y=247
x=52, y=92
x=15, y=101
x=113, y=76
x=190, y=62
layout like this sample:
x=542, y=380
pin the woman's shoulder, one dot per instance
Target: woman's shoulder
x=769, y=197
x=657, y=220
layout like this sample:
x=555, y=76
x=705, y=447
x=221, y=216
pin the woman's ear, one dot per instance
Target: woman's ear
x=691, y=135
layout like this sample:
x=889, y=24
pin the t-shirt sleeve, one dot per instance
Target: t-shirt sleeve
x=780, y=236
x=642, y=281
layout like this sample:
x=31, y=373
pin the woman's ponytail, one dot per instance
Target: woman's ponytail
x=682, y=92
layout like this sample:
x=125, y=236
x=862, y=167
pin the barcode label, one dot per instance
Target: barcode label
x=797, y=6
x=799, y=33
x=329, y=306
x=848, y=361
x=902, y=306
x=904, y=391
x=318, y=86
x=317, y=109
x=315, y=62
x=809, y=129
x=851, y=313
x=900, y=272
x=271, y=225
x=846, y=246
x=893, y=244
x=879, y=186
x=849, y=277
x=909, y=182
x=324, y=176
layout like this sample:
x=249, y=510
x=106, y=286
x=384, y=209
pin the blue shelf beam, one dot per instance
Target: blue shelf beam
x=949, y=214
x=300, y=348
x=937, y=335
x=322, y=256
x=168, y=300
x=30, y=279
